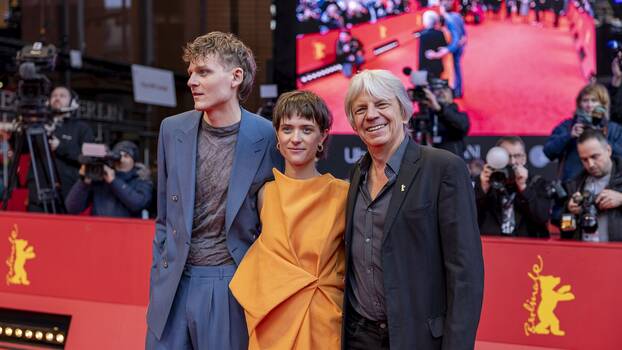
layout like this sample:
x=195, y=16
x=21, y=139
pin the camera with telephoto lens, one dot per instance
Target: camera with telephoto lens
x=94, y=156
x=588, y=219
x=502, y=177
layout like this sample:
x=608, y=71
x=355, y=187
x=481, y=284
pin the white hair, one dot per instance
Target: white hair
x=429, y=19
x=380, y=84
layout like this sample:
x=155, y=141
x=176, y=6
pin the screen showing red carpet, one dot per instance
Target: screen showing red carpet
x=519, y=76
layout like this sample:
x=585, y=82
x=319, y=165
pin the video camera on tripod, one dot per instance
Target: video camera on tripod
x=32, y=122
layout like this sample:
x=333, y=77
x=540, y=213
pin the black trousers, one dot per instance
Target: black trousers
x=364, y=334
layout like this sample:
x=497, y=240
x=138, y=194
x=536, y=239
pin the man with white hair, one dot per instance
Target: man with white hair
x=414, y=267
x=430, y=40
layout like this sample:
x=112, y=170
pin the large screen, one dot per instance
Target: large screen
x=520, y=73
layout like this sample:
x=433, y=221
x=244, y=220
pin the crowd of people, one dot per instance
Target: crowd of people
x=254, y=248
x=433, y=46
x=297, y=259
x=322, y=15
x=583, y=202
x=113, y=184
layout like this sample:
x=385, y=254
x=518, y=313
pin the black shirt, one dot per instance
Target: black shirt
x=367, y=236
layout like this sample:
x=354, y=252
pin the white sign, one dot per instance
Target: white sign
x=75, y=59
x=153, y=86
x=268, y=91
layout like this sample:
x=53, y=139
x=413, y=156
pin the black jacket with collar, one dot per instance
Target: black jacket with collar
x=531, y=210
x=433, y=272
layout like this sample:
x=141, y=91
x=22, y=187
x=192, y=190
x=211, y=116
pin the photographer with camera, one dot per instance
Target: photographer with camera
x=114, y=183
x=509, y=202
x=592, y=112
x=65, y=139
x=349, y=52
x=594, y=211
x=439, y=122
x=615, y=92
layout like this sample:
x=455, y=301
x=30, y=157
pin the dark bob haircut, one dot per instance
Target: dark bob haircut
x=305, y=104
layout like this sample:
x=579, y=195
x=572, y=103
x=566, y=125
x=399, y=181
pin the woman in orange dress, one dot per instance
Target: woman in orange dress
x=291, y=281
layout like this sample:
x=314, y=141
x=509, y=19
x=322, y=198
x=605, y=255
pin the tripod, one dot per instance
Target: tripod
x=42, y=164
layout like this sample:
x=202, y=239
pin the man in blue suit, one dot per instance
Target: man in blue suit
x=211, y=163
x=455, y=26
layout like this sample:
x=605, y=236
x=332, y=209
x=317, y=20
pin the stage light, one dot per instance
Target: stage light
x=34, y=328
x=386, y=47
x=321, y=72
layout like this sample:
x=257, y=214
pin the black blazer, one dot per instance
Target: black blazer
x=531, y=210
x=431, y=253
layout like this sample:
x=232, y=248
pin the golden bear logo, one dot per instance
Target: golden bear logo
x=544, y=287
x=318, y=50
x=20, y=253
x=382, y=31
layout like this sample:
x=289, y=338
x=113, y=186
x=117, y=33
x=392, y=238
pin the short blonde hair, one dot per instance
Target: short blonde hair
x=597, y=90
x=231, y=52
x=380, y=84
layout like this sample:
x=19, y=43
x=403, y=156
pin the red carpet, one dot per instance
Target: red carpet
x=518, y=78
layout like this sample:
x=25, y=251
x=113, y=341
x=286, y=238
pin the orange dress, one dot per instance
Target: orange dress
x=291, y=281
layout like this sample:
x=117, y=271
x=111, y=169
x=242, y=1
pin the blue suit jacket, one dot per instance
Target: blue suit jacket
x=255, y=155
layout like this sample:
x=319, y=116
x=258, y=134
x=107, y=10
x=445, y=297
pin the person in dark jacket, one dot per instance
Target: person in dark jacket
x=414, y=268
x=349, y=52
x=615, y=92
x=602, y=178
x=439, y=122
x=592, y=102
x=125, y=191
x=520, y=209
x=430, y=40
x=65, y=144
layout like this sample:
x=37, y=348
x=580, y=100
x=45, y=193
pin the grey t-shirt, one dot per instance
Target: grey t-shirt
x=215, y=151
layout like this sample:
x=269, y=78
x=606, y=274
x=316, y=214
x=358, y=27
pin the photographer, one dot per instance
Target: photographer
x=512, y=204
x=439, y=122
x=123, y=192
x=594, y=212
x=349, y=52
x=615, y=92
x=65, y=142
x=592, y=105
